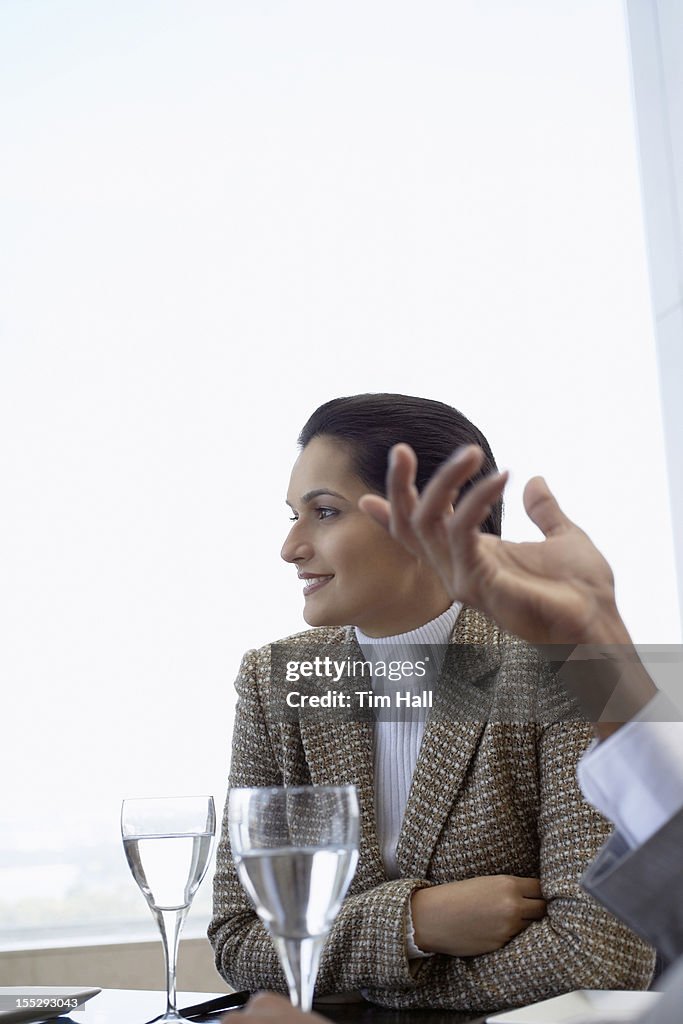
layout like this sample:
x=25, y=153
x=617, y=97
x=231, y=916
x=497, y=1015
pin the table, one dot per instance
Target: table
x=131, y=1006
x=366, y=1013
x=127, y=1006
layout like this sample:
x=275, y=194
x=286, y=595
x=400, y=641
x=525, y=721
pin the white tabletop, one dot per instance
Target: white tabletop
x=130, y=1006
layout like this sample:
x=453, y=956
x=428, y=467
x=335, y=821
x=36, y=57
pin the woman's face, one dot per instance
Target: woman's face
x=352, y=571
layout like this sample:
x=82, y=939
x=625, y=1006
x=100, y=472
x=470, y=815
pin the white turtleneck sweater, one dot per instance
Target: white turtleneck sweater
x=397, y=743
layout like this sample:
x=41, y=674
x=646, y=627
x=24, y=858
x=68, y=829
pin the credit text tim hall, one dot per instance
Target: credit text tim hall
x=334, y=670
x=366, y=699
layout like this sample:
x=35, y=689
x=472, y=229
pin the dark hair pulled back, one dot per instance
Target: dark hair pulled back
x=369, y=425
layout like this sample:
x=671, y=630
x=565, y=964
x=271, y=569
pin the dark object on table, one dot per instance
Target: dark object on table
x=231, y=1001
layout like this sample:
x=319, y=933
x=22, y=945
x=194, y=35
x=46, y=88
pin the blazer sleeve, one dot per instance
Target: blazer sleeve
x=577, y=944
x=366, y=945
x=644, y=885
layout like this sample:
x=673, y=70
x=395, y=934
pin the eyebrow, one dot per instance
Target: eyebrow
x=310, y=495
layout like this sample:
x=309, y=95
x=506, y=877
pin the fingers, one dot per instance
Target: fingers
x=475, y=507
x=533, y=906
x=442, y=490
x=418, y=522
x=395, y=512
x=542, y=508
x=528, y=887
x=534, y=910
x=401, y=490
x=377, y=508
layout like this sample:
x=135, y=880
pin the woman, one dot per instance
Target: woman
x=473, y=831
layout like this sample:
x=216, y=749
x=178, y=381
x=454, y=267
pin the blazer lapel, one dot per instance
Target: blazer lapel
x=452, y=734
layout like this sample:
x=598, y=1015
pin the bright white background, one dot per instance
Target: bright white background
x=216, y=215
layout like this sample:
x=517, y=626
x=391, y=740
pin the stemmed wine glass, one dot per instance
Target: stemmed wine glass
x=295, y=850
x=167, y=841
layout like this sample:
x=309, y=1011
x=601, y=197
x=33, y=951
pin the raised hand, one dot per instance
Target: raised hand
x=556, y=591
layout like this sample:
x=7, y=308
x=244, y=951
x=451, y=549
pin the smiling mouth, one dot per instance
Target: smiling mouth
x=311, y=585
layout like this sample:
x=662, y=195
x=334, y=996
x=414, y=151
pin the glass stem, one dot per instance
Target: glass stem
x=300, y=959
x=170, y=923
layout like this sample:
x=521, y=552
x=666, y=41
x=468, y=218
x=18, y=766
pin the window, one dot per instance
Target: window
x=214, y=219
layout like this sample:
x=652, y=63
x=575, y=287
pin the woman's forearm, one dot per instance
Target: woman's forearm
x=577, y=945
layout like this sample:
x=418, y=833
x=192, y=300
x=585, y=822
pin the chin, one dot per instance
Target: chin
x=317, y=617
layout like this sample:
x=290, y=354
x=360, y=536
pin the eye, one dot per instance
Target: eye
x=325, y=513
x=293, y=519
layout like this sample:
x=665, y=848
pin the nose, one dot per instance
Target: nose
x=296, y=548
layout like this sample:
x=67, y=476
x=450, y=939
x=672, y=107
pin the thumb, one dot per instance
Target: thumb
x=542, y=508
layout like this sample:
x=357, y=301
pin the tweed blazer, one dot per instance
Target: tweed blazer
x=488, y=796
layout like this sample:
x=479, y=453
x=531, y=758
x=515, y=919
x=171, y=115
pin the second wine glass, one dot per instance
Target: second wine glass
x=295, y=850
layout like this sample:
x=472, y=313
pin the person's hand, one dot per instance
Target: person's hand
x=556, y=591
x=269, y=1008
x=476, y=915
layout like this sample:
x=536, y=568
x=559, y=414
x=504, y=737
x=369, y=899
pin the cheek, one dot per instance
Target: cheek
x=344, y=550
x=364, y=558
x=394, y=560
x=361, y=564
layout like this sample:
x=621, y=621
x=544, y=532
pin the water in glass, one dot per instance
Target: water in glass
x=295, y=851
x=168, y=869
x=167, y=842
